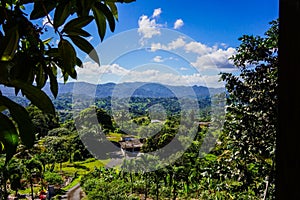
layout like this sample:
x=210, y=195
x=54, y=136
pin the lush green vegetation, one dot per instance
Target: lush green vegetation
x=240, y=166
x=59, y=155
x=41, y=147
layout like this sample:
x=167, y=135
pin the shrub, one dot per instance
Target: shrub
x=53, y=178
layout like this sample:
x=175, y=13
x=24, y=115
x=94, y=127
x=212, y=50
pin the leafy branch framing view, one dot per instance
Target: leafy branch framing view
x=20, y=42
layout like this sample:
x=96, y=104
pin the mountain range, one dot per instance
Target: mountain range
x=130, y=89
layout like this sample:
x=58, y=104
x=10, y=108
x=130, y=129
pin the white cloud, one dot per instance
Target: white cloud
x=92, y=73
x=206, y=57
x=178, y=43
x=156, y=46
x=210, y=57
x=224, y=45
x=148, y=28
x=198, y=48
x=156, y=76
x=209, y=61
x=217, y=58
x=156, y=12
x=178, y=24
x=113, y=69
x=213, y=81
x=175, y=44
x=183, y=68
x=158, y=59
x=46, y=22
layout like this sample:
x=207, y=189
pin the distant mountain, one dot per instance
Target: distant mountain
x=135, y=89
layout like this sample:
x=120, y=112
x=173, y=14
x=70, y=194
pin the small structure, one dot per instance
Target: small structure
x=131, y=144
x=204, y=124
x=51, y=191
x=156, y=121
x=43, y=195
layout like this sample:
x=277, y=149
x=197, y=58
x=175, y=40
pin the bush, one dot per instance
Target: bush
x=53, y=178
x=115, y=189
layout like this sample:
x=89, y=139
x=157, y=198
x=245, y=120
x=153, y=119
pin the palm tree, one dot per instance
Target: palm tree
x=16, y=171
x=34, y=168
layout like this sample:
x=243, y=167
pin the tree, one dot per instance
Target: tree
x=13, y=172
x=21, y=41
x=251, y=120
x=59, y=132
x=16, y=170
x=34, y=170
x=59, y=147
x=42, y=122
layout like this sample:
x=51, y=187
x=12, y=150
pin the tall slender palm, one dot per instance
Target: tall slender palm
x=34, y=168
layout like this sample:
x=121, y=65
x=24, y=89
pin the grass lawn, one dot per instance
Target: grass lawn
x=114, y=137
x=80, y=167
x=71, y=169
x=36, y=190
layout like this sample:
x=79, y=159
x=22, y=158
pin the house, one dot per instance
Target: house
x=131, y=144
x=204, y=124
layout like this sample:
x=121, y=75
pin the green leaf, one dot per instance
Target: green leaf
x=41, y=77
x=66, y=77
x=53, y=82
x=108, y=14
x=18, y=71
x=77, y=23
x=8, y=136
x=11, y=44
x=2, y=108
x=79, y=62
x=77, y=31
x=47, y=41
x=86, y=6
x=53, y=52
x=100, y=22
x=85, y=46
x=42, y=8
x=21, y=117
x=68, y=55
x=114, y=9
x=36, y=96
x=4, y=71
x=62, y=12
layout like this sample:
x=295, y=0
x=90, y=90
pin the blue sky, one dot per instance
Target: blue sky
x=175, y=42
x=207, y=21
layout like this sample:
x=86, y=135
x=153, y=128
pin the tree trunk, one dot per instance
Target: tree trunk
x=157, y=190
x=31, y=187
x=174, y=191
x=266, y=188
x=187, y=185
x=131, y=182
x=5, y=193
x=146, y=188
